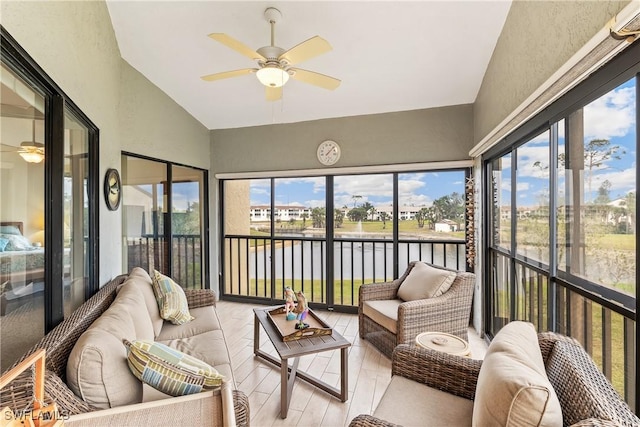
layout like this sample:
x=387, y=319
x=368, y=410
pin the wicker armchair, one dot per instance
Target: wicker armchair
x=447, y=313
x=586, y=396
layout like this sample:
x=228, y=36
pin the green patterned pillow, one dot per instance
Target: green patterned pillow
x=171, y=299
x=169, y=370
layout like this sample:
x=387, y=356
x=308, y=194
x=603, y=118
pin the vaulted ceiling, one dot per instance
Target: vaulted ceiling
x=389, y=55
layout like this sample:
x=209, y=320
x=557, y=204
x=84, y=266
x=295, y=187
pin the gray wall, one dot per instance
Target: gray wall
x=75, y=45
x=429, y=135
x=538, y=37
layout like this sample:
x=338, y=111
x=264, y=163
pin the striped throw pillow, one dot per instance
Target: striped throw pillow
x=169, y=370
x=171, y=299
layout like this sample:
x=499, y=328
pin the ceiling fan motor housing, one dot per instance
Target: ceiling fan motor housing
x=271, y=52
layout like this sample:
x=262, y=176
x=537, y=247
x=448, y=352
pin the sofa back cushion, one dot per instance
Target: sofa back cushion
x=97, y=368
x=425, y=281
x=141, y=278
x=584, y=392
x=513, y=388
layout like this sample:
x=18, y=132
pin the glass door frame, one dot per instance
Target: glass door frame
x=56, y=102
x=167, y=228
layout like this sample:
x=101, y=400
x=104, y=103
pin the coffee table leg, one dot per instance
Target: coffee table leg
x=344, y=374
x=286, y=384
x=284, y=388
x=256, y=334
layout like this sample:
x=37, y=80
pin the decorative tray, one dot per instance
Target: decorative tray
x=287, y=328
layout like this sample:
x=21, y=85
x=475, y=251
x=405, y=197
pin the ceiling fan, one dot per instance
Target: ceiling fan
x=30, y=151
x=275, y=64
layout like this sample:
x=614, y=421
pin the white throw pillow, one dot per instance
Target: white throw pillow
x=513, y=389
x=424, y=282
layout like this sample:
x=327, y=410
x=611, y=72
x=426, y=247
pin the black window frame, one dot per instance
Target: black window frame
x=625, y=66
x=56, y=102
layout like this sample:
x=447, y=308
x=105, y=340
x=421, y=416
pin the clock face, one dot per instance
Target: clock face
x=112, y=189
x=328, y=152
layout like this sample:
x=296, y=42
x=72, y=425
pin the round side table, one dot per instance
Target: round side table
x=444, y=342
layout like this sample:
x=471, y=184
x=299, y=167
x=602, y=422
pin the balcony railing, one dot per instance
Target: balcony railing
x=151, y=253
x=253, y=264
x=606, y=330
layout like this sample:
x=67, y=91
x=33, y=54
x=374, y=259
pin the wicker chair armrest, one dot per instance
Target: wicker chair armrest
x=18, y=394
x=241, y=408
x=595, y=422
x=379, y=291
x=453, y=374
x=200, y=297
x=547, y=340
x=364, y=420
x=445, y=313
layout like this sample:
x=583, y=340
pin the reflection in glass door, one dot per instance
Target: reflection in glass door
x=22, y=195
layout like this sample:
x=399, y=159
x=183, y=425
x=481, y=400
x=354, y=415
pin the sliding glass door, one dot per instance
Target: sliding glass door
x=164, y=219
x=48, y=221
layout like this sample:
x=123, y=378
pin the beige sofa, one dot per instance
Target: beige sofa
x=526, y=378
x=87, y=373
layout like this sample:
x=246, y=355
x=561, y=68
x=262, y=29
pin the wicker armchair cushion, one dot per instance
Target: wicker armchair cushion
x=97, y=368
x=513, y=388
x=172, y=301
x=583, y=390
x=425, y=282
x=383, y=312
x=410, y=403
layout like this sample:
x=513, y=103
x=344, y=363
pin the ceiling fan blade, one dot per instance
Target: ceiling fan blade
x=273, y=93
x=237, y=46
x=306, y=50
x=228, y=74
x=314, y=78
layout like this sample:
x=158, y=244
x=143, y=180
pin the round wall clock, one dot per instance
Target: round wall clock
x=112, y=189
x=328, y=152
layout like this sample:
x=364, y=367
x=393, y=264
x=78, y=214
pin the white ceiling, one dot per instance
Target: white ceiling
x=390, y=55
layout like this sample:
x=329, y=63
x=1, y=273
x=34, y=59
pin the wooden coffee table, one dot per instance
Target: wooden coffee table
x=295, y=349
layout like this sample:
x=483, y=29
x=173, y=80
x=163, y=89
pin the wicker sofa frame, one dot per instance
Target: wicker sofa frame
x=600, y=405
x=60, y=341
x=448, y=313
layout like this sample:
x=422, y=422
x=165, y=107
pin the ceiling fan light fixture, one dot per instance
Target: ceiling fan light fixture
x=31, y=151
x=272, y=76
x=32, y=156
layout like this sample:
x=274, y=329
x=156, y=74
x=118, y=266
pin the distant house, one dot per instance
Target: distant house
x=447, y=226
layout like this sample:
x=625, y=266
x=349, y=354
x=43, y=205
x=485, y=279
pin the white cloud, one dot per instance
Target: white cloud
x=621, y=181
x=611, y=115
x=364, y=185
x=528, y=156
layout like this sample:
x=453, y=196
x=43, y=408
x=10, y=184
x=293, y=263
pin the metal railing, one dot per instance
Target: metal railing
x=151, y=253
x=253, y=264
x=606, y=330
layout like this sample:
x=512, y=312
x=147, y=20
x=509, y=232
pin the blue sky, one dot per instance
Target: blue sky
x=419, y=189
x=612, y=117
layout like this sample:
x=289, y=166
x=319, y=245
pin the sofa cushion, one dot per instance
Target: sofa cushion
x=97, y=366
x=383, y=312
x=584, y=392
x=410, y=403
x=169, y=370
x=171, y=299
x=425, y=281
x=205, y=320
x=209, y=347
x=140, y=277
x=513, y=388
